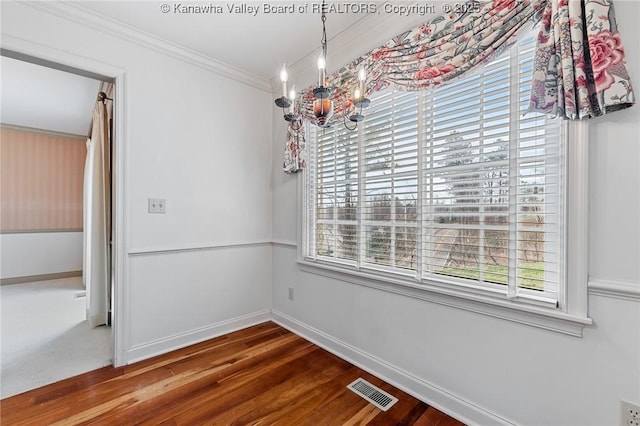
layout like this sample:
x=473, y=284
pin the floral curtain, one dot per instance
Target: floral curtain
x=579, y=69
x=293, y=151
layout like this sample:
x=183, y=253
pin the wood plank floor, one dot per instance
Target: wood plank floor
x=261, y=375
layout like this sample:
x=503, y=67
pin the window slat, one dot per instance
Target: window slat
x=489, y=183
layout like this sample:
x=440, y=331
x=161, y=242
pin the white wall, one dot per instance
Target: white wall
x=184, y=143
x=478, y=368
x=186, y=140
x=26, y=254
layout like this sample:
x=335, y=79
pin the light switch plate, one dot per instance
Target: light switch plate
x=157, y=205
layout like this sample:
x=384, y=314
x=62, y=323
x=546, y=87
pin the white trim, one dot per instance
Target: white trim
x=572, y=314
x=436, y=396
x=181, y=340
x=112, y=27
x=39, y=277
x=301, y=218
x=289, y=244
x=615, y=289
x=210, y=246
x=119, y=261
x=41, y=231
x=121, y=314
x=196, y=247
x=57, y=56
x=577, y=219
x=80, y=138
x=527, y=314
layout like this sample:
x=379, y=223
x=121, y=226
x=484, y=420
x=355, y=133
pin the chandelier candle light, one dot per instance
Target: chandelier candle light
x=323, y=104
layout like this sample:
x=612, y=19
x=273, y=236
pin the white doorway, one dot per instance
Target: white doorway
x=43, y=335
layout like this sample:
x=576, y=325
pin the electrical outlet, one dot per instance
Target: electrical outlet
x=157, y=205
x=290, y=293
x=629, y=414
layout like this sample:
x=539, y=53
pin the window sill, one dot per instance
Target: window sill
x=498, y=307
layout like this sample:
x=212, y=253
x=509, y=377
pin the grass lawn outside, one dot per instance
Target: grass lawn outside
x=530, y=274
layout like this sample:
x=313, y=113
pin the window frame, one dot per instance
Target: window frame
x=569, y=319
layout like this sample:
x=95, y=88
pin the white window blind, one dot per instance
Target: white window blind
x=452, y=186
x=390, y=182
x=336, y=194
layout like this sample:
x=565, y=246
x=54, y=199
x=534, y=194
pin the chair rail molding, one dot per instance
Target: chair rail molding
x=147, y=251
x=615, y=289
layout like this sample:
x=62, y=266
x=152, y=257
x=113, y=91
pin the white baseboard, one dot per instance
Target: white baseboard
x=178, y=341
x=444, y=401
x=41, y=277
x=441, y=399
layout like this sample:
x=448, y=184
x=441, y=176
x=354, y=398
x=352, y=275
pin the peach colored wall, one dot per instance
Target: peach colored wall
x=41, y=179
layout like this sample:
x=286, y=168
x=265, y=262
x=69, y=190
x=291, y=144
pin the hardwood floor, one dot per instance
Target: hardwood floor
x=261, y=375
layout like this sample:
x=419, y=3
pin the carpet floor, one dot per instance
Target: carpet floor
x=44, y=336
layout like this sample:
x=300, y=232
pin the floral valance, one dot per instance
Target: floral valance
x=442, y=49
x=579, y=70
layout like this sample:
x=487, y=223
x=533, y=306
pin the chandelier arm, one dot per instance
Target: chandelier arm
x=344, y=123
x=344, y=119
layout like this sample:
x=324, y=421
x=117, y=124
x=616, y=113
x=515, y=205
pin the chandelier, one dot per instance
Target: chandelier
x=322, y=104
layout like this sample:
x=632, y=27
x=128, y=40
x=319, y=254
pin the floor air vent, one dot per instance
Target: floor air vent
x=374, y=395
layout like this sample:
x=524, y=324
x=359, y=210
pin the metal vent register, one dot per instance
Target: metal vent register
x=373, y=394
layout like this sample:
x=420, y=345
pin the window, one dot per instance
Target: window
x=451, y=189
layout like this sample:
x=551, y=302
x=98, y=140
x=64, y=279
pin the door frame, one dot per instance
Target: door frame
x=16, y=48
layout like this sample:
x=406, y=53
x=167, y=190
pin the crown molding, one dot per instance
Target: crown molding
x=112, y=27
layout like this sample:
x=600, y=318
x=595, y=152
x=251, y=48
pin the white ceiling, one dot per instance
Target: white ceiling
x=40, y=97
x=257, y=44
x=43, y=98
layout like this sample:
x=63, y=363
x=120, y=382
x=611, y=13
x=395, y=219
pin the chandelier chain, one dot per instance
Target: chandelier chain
x=323, y=42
